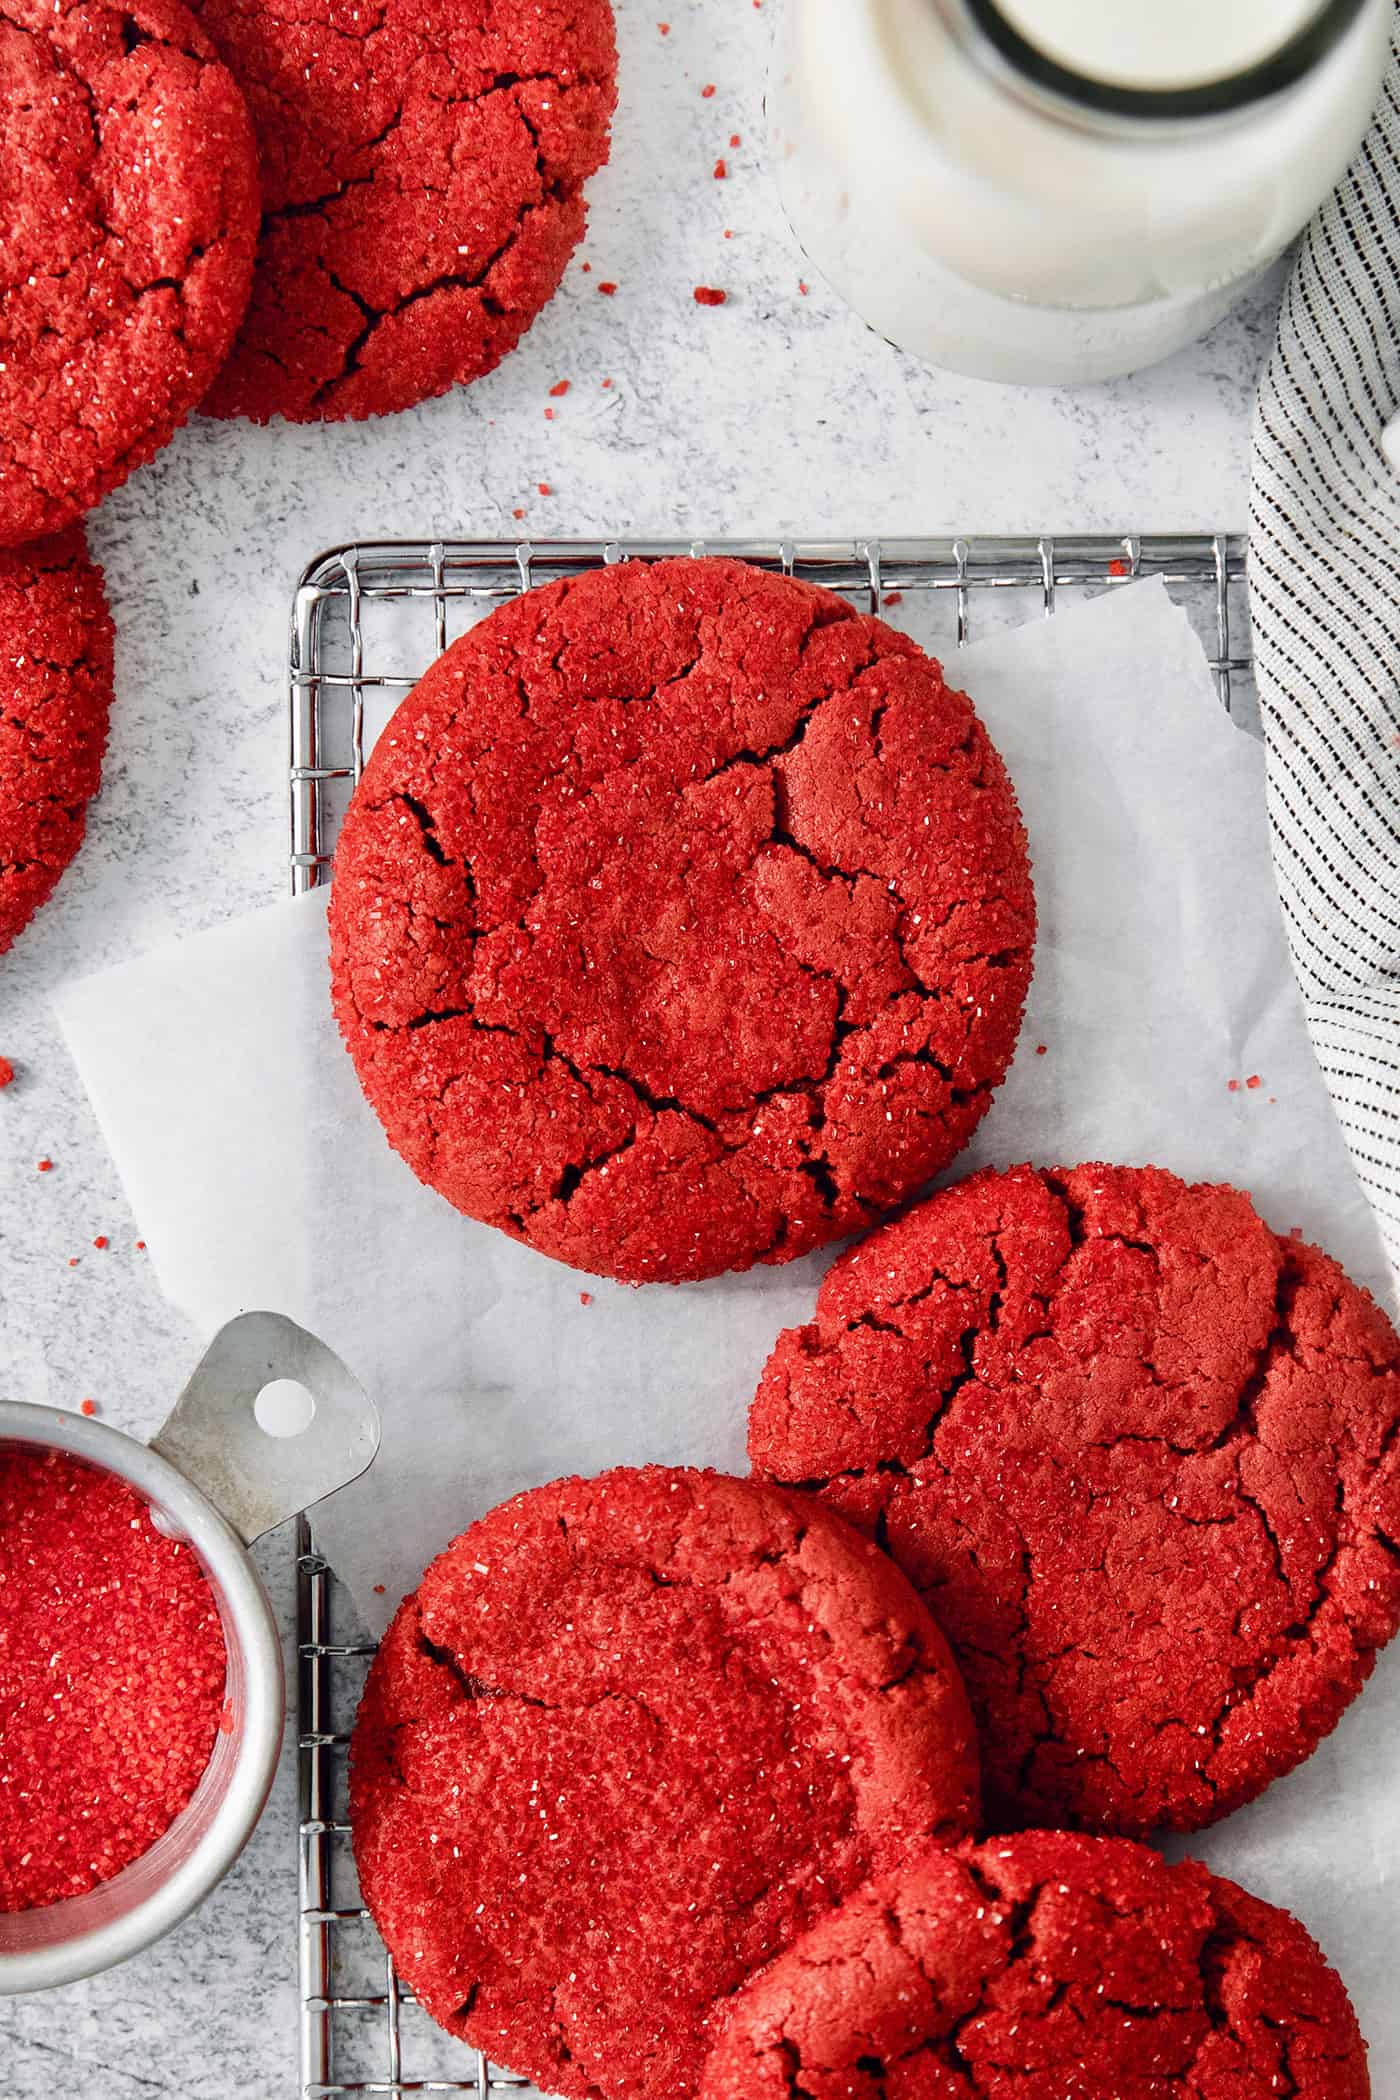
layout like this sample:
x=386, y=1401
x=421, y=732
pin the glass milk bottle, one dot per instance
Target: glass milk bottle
x=1062, y=190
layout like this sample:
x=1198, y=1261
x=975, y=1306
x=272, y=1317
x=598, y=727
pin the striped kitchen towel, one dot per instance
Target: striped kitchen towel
x=1324, y=572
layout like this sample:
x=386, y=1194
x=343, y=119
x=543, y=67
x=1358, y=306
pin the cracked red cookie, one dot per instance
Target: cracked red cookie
x=628, y=1738
x=128, y=220
x=1142, y=1457
x=1045, y=1967
x=55, y=693
x=681, y=920
x=422, y=169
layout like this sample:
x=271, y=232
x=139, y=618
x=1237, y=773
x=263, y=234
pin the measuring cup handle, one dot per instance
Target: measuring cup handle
x=255, y=1478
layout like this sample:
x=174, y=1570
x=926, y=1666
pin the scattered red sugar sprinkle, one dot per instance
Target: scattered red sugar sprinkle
x=140, y=1246
x=721, y=172
x=708, y=90
x=1119, y=568
x=1040, y=1049
x=549, y=415
x=585, y=1297
x=226, y=1718
x=728, y=235
x=517, y=513
x=559, y=389
x=87, y=1407
x=72, y=1261
x=379, y=1589
x=709, y=295
x=1253, y=1081
x=802, y=287
x=1273, y=1100
x=586, y=267
x=606, y=287
x=1233, y=1085
x=734, y=139
x=894, y=597
x=46, y=1166
x=607, y=382
x=113, y=1675
x=101, y=1240
x=544, y=488
x=664, y=27
x=7, y=1072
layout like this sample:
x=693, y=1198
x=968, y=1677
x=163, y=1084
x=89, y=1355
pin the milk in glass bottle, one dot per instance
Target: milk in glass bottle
x=1061, y=190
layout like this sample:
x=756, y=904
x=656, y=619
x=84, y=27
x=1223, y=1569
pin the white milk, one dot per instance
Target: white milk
x=999, y=228
x=1159, y=43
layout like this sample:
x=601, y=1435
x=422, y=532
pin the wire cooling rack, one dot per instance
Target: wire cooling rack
x=366, y=623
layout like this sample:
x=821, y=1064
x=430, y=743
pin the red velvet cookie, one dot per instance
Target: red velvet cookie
x=55, y=692
x=628, y=1739
x=422, y=167
x=1045, y=1967
x=1140, y=1454
x=128, y=220
x=681, y=920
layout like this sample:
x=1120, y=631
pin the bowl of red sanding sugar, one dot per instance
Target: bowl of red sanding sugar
x=141, y=1683
x=140, y=1696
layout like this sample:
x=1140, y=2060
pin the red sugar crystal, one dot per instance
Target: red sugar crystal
x=7, y=1072
x=709, y=295
x=112, y=1674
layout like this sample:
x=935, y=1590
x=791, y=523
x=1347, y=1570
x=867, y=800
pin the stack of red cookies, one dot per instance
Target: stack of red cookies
x=311, y=213
x=683, y=920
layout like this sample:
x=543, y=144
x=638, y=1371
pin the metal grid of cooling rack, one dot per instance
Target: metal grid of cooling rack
x=366, y=622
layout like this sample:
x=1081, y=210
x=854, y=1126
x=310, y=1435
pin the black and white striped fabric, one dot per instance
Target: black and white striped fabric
x=1325, y=596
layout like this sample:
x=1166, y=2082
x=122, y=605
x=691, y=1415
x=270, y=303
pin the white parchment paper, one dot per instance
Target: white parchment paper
x=260, y=1179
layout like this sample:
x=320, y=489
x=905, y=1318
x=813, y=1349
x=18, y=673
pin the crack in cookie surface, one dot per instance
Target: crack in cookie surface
x=1139, y=1454
x=629, y=1737
x=1045, y=1964
x=682, y=919
x=129, y=209
x=55, y=696
x=423, y=170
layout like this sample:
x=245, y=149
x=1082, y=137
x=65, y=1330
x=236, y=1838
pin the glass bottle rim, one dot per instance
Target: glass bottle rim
x=1271, y=76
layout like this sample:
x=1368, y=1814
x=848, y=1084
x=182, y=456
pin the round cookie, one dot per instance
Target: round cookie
x=629, y=1738
x=128, y=221
x=1140, y=1455
x=1045, y=1967
x=681, y=920
x=55, y=693
x=422, y=168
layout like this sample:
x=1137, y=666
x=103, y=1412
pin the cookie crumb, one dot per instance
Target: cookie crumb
x=606, y=287
x=1119, y=567
x=1254, y=1082
x=585, y=1297
x=559, y=389
x=709, y=295
x=894, y=597
x=1233, y=1085
x=721, y=171
x=734, y=139
x=46, y=1166
x=379, y=1589
x=707, y=90
x=88, y=1408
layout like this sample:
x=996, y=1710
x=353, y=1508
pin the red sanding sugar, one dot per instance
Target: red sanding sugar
x=7, y=1072
x=112, y=1672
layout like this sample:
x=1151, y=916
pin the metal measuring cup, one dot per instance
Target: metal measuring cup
x=213, y=1476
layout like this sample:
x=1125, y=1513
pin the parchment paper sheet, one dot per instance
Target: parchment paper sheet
x=260, y=1178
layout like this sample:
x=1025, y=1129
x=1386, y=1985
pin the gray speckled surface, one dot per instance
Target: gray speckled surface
x=776, y=413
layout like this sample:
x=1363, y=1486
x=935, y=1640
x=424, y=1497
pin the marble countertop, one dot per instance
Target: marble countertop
x=776, y=413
